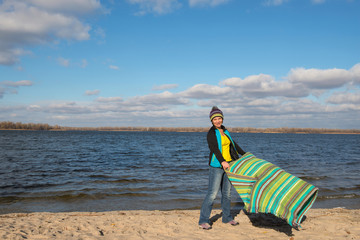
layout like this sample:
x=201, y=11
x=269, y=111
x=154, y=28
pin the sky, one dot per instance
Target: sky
x=165, y=63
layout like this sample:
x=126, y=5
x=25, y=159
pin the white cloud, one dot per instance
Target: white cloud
x=114, y=67
x=299, y=83
x=109, y=99
x=319, y=78
x=100, y=35
x=60, y=117
x=10, y=87
x=254, y=101
x=17, y=83
x=84, y=63
x=19, y=68
x=64, y=62
x=2, y=92
x=34, y=108
x=274, y=2
x=165, y=87
x=28, y=23
x=201, y=91
x=194, y=3
x=67, y=108
x=318, y=1
x=264, y=102
x=355, y=71
x=74, y=6
x=92, y=92
x=156, y=6
x=159, y=99
x=345, y=98
x=9, y=56
x=263, y=85
x=167, y=6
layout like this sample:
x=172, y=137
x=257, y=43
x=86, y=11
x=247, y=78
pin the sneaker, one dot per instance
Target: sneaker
x=205, y=226
x=233, y=223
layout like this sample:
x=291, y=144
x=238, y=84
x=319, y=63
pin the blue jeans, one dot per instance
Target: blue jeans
x=217, y=180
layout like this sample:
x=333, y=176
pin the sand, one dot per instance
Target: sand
x=176, y=224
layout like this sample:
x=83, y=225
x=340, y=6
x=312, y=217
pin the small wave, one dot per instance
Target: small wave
x=99, y=176
x=82, y=170
x=181, y=200
x=135, y=195
x=353, y=163
x=30, y=186
x=123, y=180
x=340, y=196
x=72, y=197
x=143, y=189
x=197, y=170
x=357, y=187
x=312, y=178
x=40, y=185
x=328, y=190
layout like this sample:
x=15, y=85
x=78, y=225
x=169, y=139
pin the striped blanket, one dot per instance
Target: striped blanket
x=266, y=188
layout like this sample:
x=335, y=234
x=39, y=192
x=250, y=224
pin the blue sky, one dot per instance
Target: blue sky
x=266, y=63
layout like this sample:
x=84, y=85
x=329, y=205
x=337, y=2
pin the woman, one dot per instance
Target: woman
x=222, y=150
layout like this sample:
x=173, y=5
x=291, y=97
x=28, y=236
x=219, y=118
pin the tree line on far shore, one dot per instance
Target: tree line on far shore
x=7, y=125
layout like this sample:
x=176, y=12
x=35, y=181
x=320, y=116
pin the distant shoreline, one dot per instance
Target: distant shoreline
x=46, y=127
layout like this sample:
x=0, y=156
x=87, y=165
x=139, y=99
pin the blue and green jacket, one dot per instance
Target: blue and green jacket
x=214, y=142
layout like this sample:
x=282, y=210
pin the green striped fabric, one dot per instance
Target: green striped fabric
x=266, y=188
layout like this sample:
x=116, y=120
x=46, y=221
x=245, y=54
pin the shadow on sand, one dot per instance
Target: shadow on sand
x=262, y=220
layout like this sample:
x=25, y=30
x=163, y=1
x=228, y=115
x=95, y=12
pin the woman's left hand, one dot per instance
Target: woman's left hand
x=225, y=165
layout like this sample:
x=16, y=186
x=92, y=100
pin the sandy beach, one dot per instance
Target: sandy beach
x=176, y=224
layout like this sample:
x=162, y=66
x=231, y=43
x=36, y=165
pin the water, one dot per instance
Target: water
x=105, y=171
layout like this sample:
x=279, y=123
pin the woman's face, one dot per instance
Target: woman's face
x=217, y=122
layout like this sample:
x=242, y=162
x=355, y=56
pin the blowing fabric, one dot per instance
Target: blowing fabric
x=266, y=188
